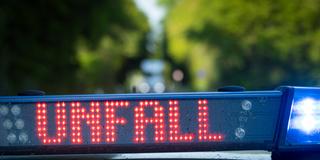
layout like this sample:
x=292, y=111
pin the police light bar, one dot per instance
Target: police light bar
x=300, y=115
x=124, y=123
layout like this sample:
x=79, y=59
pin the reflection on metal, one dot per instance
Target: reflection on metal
x=228, y=155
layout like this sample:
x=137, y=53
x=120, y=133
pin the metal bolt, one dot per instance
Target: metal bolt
x=19, y=124
x=16, y=110
x=11, y=137
x=4, y=110
x=23, y=137
x=240, y=132
x=246, y=105
x=7, y=124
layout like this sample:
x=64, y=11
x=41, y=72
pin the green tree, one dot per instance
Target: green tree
x=42, y=42
x=257, y=44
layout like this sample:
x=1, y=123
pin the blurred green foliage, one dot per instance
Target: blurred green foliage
x=259, y=44
x=87, y=46
x=65, y=46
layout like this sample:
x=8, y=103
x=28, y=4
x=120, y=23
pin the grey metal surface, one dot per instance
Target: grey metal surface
x=227, y=155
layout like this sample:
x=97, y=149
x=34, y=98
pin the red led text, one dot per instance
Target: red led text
x=102, y=120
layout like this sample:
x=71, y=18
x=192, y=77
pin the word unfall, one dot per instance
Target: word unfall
x=102, y=121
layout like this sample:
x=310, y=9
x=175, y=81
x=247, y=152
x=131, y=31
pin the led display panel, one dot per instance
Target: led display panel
x=127, y=123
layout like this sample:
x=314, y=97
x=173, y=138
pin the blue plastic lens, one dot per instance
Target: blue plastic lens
x=304, y=120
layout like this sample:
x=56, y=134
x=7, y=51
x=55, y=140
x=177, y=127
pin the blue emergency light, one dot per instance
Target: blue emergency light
x=304, y=119
x=281, y=120
x=299, y=120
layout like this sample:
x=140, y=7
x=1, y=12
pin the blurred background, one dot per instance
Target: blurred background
x=122, y=46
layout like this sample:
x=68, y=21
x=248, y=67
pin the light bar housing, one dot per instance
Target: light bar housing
x=244, y=120
x=283, y=120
